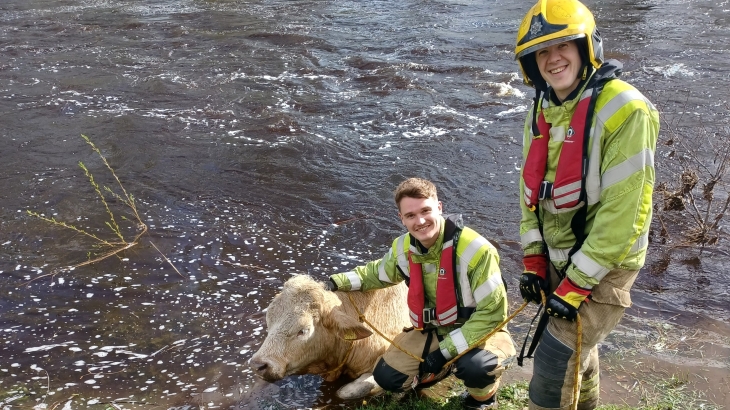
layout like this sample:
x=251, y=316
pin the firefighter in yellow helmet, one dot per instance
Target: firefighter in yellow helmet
x=586, y=195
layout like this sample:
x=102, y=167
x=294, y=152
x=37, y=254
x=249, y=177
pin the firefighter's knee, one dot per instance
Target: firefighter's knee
x=550, y=369
x=476, y=368
x=389, y=378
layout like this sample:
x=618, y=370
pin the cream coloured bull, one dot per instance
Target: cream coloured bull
x=311, y=330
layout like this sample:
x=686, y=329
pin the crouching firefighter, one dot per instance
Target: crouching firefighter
x=455, y=297
x=586, y=196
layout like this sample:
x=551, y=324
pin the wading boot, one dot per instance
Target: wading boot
x=470, y=403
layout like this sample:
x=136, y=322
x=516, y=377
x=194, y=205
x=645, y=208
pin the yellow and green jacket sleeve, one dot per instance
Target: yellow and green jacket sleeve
x=373, y=275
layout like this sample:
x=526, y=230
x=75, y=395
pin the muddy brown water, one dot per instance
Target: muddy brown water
x=262, y=139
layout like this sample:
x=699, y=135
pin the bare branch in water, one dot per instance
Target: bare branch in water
x=118, y=246
x=701, y=190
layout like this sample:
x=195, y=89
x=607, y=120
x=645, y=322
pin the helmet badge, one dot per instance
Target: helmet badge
x=535, y=28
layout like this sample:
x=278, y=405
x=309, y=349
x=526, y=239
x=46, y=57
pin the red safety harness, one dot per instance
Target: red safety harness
x=566, y=190
x=446, y=311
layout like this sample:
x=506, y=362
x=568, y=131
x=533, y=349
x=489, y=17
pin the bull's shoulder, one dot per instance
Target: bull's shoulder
x=383, y=307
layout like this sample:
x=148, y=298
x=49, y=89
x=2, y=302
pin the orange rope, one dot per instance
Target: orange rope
x=578, y=344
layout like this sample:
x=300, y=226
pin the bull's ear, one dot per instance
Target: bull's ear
x=348, y=327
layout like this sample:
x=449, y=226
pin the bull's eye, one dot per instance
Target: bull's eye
x=303, y=332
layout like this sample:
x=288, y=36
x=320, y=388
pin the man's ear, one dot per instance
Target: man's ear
x=347, y=327
x=441, y=207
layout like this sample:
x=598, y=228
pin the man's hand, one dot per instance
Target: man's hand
x=566, y=300
x=433, y=363
x=330, y=285
x=534, y=278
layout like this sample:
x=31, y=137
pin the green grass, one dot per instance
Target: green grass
x=510, y=397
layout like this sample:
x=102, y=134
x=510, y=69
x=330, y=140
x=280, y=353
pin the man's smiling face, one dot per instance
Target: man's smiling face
x=559, y=66
x=422, y=218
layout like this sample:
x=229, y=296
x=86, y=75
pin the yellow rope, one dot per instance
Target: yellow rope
x=576, y=372
x=578, y=344
x=482, y=340
x=488, y=335
x=344, y=359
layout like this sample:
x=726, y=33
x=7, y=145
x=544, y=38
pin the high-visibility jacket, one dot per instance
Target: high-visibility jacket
x=479, y=283
x=619, y=184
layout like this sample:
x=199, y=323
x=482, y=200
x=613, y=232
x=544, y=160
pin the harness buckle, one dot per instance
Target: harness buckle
x=546, y=190
x=429, y=315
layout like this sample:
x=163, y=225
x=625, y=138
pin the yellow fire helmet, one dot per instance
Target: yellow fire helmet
x=552, y=22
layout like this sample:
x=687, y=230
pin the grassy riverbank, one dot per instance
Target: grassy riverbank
x=661, y=394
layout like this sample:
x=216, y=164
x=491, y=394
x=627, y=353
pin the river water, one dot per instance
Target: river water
x=262, y=139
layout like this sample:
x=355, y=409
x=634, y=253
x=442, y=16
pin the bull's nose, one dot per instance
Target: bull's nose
x=266, y=369
x=259, y=365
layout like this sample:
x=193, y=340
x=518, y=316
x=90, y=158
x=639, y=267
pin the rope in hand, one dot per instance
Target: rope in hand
x=578, y=343
x=488, y=335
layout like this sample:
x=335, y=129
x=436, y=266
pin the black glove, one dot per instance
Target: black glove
x=433, y=363
x=330, y=285
x=566, y=300
x=534, y=278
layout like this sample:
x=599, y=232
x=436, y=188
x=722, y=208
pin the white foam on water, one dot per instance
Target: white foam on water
x=512, y=111
x=47, y=347
x=671, y=70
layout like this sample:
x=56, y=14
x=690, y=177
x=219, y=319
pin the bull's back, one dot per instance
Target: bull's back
x=389, y=308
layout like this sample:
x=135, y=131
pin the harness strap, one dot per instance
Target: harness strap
x=429, y=338
x=578, y=222
x=462, y=312
x=521, y=357
x=449, y=301
x=536, y=101
x=541, y=326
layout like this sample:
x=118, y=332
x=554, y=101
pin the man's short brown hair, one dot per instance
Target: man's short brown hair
x=415, y=188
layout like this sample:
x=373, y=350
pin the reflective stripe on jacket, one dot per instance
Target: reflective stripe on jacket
x=479, y=283
x=619, y=186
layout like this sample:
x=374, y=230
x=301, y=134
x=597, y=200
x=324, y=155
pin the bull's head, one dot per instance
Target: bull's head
x=307, y=331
